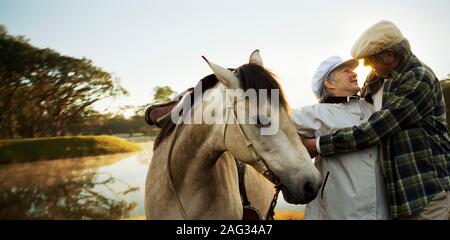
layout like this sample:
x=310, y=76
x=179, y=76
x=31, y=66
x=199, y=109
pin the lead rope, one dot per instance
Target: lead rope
x=273, y=204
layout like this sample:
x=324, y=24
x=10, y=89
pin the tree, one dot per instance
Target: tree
x=163, y=94
x=42, y=91
x=160, y=95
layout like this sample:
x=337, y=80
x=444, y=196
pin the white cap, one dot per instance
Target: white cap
x=325, y=68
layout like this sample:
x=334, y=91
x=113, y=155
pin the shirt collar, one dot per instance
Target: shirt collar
x=344, y=99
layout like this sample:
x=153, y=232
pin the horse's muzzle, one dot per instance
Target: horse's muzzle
x=304, y=194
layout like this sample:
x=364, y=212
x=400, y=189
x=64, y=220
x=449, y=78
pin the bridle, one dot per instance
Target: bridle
x=259, y=163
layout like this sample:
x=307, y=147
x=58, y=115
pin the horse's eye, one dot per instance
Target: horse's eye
x=263, y=121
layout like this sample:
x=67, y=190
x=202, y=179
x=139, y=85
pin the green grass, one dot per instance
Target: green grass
x=36, y=149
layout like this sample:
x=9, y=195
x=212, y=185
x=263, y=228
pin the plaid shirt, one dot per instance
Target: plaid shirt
x=413, y=129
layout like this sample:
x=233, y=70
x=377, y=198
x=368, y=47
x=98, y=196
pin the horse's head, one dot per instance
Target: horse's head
x=259, y=131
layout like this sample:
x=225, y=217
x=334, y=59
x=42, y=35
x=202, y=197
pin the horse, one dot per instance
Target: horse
x=193, y=172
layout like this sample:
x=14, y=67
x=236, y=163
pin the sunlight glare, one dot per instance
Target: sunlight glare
x=362, y=72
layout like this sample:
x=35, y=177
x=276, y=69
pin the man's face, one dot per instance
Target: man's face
x=380, y=68
x=346, y=82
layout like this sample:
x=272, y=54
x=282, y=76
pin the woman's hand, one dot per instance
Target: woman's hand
x=310, y=144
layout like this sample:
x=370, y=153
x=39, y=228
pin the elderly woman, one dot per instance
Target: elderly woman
x=353, y=186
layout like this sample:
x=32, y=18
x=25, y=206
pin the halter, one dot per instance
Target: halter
x=259, y=163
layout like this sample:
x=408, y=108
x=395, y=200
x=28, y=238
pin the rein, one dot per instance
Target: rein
x=246, y=204
x=169, y=156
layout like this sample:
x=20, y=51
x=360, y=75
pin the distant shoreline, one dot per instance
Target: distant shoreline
x=38, y=149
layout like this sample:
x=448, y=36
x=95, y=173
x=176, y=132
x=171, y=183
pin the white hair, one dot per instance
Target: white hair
x=325, y=92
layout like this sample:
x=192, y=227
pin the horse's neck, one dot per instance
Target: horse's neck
x=205, y=177
x=198, y=146
x=193, y=150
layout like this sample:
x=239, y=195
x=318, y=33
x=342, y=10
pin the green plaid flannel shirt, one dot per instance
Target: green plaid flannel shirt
x=413, y=129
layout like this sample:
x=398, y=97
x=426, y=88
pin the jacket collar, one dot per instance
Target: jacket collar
x=343, y=99
x=402, y=66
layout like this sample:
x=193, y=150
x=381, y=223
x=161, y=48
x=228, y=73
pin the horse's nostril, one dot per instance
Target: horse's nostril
x=309, y=189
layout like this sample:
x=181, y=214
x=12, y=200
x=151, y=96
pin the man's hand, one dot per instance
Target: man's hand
x=310, y=144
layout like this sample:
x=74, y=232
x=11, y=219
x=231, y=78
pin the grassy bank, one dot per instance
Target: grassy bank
x=35, y=149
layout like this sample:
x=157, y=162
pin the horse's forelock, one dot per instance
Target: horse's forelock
x=253, y=76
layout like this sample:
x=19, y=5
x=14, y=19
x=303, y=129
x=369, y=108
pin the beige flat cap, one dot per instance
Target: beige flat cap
x=377, y=38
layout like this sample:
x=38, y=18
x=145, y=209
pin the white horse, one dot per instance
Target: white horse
x=193, y=173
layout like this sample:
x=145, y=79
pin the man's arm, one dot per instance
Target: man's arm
x=407, y=106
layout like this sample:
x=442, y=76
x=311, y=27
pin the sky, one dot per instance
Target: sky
x=149, y=43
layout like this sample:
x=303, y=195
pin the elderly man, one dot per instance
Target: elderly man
x=353, y=186
x=410, y=124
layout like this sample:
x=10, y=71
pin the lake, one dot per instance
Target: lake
x=102, y=187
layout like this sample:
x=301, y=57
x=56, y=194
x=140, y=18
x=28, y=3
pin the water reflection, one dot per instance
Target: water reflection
x=103, y=187
x=65, y=189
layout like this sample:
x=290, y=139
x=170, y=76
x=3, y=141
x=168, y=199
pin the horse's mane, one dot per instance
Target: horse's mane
x=251, y=76
x=256, y=77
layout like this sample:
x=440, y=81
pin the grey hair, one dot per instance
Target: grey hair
x=332, y=76
x=325, y=93
x=401, y=50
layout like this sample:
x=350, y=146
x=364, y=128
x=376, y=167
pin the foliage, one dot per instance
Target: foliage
x=42, y=91
x=163, y=94
x=160, y=95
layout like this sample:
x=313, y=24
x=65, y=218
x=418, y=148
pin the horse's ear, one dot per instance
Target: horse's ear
x=224, y=75
x=255, y=58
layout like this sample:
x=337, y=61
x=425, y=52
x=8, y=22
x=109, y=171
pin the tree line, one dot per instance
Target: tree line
x=44, y=93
